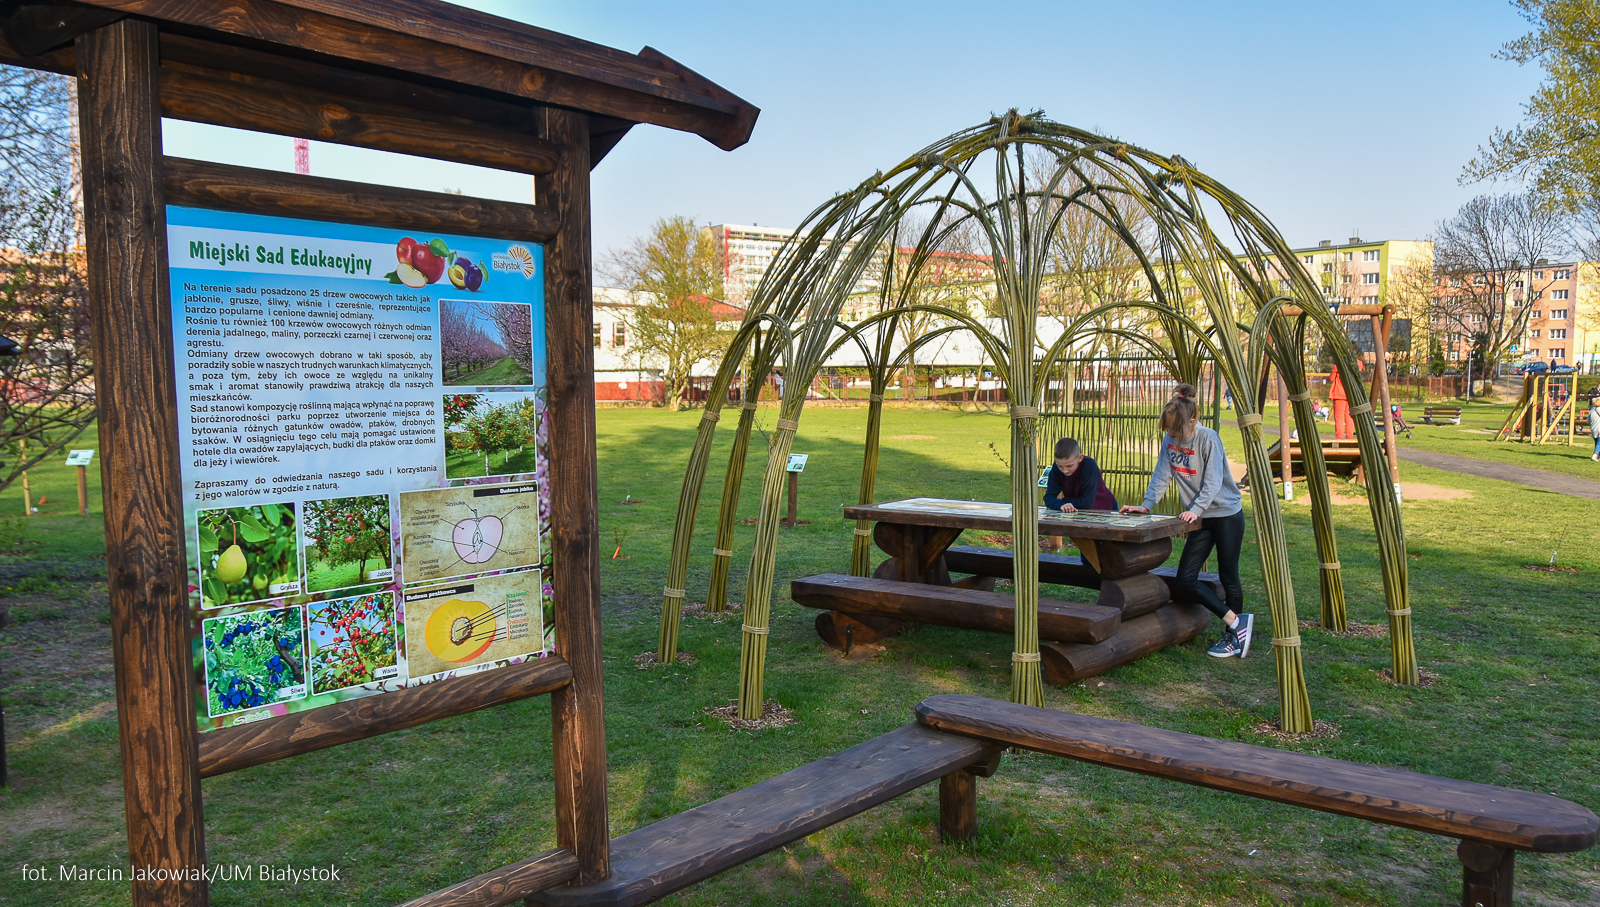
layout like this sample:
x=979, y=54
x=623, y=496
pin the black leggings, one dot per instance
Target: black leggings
x=1226, y=534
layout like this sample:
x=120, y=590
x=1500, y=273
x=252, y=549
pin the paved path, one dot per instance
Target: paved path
x=1488, y=469
x=1537, y=478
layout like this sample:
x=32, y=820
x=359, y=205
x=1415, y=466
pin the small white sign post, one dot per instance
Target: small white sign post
x=797, y=465
x=81, y=459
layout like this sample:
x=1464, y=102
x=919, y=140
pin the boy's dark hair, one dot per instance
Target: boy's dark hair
x=1067, y=447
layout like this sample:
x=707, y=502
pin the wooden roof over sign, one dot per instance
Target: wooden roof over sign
x=423, y=49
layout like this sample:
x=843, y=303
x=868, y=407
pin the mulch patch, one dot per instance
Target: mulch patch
x=1550, y=568
x=1320, y=730
x=649, y=660
x=772, y=716
x=1352, y=628
x=1425, y=677
x=698, y=609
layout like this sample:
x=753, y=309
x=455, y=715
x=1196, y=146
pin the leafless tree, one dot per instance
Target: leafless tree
x=1484, y=256
x=47, y=388
x=1094, y=262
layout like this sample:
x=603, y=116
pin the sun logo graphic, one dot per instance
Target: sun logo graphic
x=516, y=258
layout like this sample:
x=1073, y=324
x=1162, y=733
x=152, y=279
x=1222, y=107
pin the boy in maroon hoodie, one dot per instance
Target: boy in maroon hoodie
x=1075, y=482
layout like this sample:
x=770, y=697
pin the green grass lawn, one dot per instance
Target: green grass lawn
x=466, y=464
x=507, y=371
x=403, y=814
x=321, y=575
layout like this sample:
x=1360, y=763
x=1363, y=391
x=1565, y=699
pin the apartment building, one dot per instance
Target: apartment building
x=1559, y=300
x=749, y=250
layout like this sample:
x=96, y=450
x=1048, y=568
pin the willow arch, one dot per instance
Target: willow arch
x=1043, y=169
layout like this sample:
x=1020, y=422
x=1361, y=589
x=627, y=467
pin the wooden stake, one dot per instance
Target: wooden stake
x=125, y=234
x=794, y=501
x=83, y=490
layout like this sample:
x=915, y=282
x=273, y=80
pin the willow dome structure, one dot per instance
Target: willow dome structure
x=1008, y=186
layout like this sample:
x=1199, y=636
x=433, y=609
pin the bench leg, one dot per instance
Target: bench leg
x=1485, y=874
x=958, y=806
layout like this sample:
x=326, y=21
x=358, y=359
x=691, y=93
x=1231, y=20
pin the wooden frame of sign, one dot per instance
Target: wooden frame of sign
x=419, y=77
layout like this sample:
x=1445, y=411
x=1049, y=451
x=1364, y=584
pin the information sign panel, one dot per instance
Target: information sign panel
x=80, y=457
x=797, y=462
x=363, y=434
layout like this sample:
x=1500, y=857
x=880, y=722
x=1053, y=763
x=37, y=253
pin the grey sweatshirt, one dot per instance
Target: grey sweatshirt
x=1200, y=468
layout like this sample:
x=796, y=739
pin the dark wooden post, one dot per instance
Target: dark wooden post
x=1485, y=874
x=794, y=501
x=958, y=806
x=126, y=238
x=578, y=710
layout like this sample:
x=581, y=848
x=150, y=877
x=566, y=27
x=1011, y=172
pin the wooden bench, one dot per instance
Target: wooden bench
x=1341, y=457
x=1438, y=415
x=1492, y=823
x=864, y=598
x=1069, y=570
x=674, y=853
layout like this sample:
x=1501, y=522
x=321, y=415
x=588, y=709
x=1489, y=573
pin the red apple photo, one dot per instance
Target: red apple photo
x=431, y=265
x=405, y=249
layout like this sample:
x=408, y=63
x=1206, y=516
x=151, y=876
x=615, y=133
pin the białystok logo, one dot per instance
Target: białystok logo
x=515, y=258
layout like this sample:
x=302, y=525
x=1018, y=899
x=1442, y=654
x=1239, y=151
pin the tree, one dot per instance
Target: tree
x=349, y=530
x=1558, y=143
x=497, y=429
x=1410, y=290
x=673, y=278
x=1485, y=256
x=47, y=389
x=1093, y=257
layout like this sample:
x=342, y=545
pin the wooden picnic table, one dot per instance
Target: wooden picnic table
x=916, y=533
x=1136, y=614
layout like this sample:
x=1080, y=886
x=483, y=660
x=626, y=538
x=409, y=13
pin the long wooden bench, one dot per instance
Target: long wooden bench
x=951, y=606
x=1070, y=570
x=1438, y=415
x=1491, y=822
x=674, y=853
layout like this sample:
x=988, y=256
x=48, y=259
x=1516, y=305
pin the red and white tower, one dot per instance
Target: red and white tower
x=302, y=156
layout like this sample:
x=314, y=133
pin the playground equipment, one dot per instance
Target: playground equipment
x=1547, y=408
x=1195, y=284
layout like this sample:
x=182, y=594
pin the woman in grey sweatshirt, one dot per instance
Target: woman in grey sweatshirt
x=1192, y=458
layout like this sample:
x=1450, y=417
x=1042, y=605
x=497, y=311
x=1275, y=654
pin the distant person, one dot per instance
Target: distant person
x=1075, y=482
x=1343, y=426
x=1594, y=422
x=1193, y=458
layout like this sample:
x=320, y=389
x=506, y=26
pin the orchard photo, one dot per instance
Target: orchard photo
x=347, y=542
x=493, y=434
x=247, y=554
x=486, y=343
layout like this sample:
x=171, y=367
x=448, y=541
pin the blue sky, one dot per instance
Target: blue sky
x=1330, y=118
